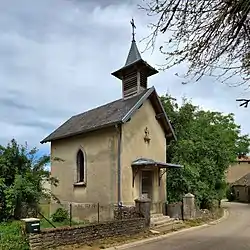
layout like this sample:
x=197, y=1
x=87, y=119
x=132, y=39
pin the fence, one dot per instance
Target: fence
x=126, y=220
x=89, y=213
x=86, y=213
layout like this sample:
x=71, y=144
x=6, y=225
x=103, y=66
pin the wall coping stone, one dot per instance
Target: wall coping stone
x=189, y=195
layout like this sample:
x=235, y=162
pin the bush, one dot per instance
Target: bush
x=60, y=215
x=230, y=194
x=12, y=236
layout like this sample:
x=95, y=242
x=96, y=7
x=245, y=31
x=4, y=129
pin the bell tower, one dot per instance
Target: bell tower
x=134, y=74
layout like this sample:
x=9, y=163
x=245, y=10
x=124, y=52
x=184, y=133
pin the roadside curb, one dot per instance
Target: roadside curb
x=161, y=237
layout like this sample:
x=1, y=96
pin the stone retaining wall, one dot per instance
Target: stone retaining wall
x=126, y=212
x=51, y=238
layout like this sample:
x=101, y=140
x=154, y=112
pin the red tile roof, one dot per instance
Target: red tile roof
x=243, y=158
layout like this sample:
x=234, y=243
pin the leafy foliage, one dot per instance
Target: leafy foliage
x=21, y=178
x=12, y=236
x=212, y=36
x=60, y=215
x=207, y=143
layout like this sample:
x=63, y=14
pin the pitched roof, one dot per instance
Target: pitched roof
x=244, y=158
x=93, y=119
x=118, y=111
x=243, y=181
x=147, y=162
x=134, y=61
x=133, y=55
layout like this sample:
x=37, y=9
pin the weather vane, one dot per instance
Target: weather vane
x=133, y=29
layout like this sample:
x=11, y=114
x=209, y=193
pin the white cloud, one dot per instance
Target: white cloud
x=56, y=57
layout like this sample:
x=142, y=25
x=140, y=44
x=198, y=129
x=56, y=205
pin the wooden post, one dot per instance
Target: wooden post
x=98, y=212
x=70, y=214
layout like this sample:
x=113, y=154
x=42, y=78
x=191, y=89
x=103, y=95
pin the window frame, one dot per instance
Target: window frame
x=237, y=193
x=80, y=182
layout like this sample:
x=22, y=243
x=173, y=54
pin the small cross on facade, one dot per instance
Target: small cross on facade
x=133, y=29
x=146, y=137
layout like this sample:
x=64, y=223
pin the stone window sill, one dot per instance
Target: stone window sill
x=80, y=184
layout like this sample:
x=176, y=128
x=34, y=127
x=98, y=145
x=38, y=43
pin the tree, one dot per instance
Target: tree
x=212, y=36
x=207, y=143
x=21, y=178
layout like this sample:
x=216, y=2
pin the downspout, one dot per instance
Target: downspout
x=119, y=130
x=166, y=201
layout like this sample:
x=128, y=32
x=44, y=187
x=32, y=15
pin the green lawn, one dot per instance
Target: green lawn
x=11, y=237
x=11, y=233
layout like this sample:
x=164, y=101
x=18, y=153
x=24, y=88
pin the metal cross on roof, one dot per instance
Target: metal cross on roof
x=133, y=29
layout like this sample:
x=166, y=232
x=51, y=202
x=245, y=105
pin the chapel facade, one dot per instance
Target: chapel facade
x=115, y=153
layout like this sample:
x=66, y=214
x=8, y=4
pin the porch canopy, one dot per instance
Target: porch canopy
x=149, y=162
x=145, y=163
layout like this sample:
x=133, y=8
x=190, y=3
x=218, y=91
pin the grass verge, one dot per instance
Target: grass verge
x=11, y=236
x=205, y=219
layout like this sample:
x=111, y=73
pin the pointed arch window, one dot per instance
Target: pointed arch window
x=80, y=161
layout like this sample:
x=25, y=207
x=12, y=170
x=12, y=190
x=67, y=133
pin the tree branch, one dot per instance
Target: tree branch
x=244, y=102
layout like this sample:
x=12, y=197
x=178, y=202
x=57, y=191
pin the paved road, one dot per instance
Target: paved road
x=231, y=234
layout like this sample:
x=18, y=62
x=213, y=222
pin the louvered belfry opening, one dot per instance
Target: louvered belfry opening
x=134, y=82
x=130, y=84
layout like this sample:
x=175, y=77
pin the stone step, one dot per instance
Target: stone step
x=156, y=215
x=155, y=220
x=177, y=224
x=160, y=218
x=163, y=221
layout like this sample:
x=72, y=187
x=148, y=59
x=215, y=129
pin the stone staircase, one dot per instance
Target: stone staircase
x=162, y=222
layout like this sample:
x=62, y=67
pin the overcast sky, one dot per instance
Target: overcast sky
x=56, y=57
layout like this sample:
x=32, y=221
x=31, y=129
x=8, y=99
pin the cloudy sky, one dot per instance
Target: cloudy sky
x=56, y=57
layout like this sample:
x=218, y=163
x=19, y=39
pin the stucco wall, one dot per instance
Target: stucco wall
x=236, y=171
x=241, y=193
x=100, y=150
x=134, y=146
